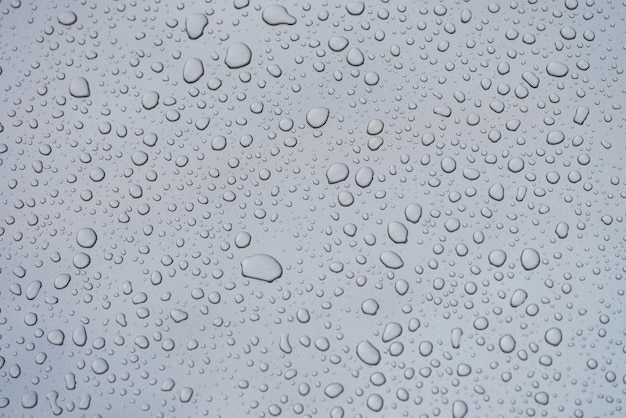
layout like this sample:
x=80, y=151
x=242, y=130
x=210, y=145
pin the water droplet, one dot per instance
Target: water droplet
x=317, y=117
x=391, y=260
x=507, y=343
x=375, y=402
x=150, y=100
x=277, y=15
x=530, y=259
x=67, y=18
x=554, y=336
x=56, y=337
x=392, y=330
x=497, y=258
x=459, y=409
x=519, y=297
x=262, y=267
x=195, y=24
x=368, y=353
x=79, y=87
x=29, y=399
x=338, y=43
x=557, y=69
x=337, y=172
x=333, y=390
x=355, y=57
x=193, y=70
x=238, y=55
x=86, y=237
x=397, y=232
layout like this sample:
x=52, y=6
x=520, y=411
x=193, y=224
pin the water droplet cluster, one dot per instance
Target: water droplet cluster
x=333, y=209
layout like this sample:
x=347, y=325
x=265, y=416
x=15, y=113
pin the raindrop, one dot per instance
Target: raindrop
x=195, y=24
x=557, y=69
x=238, y=55
x=530, y=259
x=79, y=87
x=277, y=15
x=262, y=267
x=368, y=353
x=317, y=117
x=193, y=70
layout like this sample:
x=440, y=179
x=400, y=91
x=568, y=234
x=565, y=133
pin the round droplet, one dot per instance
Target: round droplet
x=568, y=32
x=369, y=307
x=150, y=100
x=530, y=259
x=425, y=348
x=371, y=78
x=56, y=337
x=79, y=87
x=554, y=336
x=413, y=212
x=375, y=127
x=99, y=366
x=243, y=239
x=218, y=143
x=139, y=158
x=375, y=143
x=497, y=258
x=345, y=198
x=459, y=409
x=238, y=55
x=81, y=260
x=448, y=165
x=555, y=137
x=337, y=172
x=193, y=70
x=452, y=224
x=542, y=398
x=562, y=230
x=364, y=177
x=516, y=165
x=338, y=43
x=317, y=117
x=496, y=192
x=375, y=402
x=507, y=343
x=355, y=57
x=86, y=237
x=355, y=8
x=557, y=69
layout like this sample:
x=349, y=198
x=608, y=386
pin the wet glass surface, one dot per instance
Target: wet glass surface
x=316, y=209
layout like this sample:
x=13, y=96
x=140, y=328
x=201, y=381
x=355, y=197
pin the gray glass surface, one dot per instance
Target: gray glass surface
x=317, y=209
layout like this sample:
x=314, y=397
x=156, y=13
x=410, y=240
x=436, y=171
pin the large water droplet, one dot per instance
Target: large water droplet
x=262, y=267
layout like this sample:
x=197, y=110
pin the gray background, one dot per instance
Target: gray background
x=494, y=160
